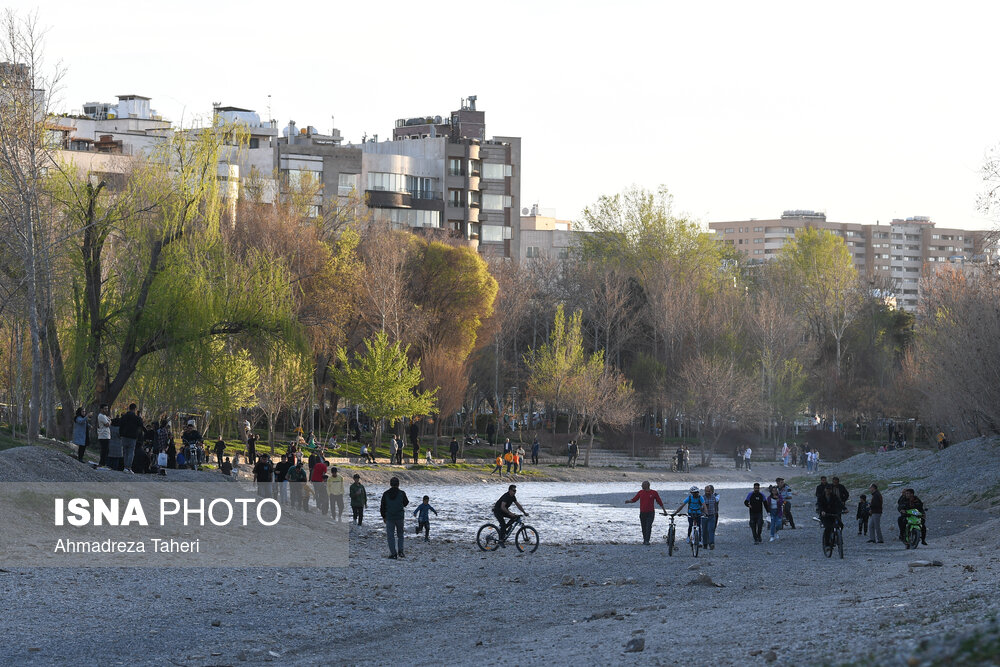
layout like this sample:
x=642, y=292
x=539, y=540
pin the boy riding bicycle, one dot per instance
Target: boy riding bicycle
x=695, y=504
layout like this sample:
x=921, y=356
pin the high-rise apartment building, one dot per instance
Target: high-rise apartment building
x=899, y=250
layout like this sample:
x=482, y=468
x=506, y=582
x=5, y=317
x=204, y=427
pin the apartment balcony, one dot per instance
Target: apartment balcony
x=388, y=199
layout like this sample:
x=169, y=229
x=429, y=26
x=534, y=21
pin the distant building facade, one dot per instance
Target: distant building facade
x=899, y=250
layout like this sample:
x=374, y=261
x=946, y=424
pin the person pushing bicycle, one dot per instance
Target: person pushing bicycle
x=830, y=508
x=501, y=510
x=695, y=504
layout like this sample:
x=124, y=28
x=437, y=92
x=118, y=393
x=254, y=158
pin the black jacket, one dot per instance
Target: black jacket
x=831, y=504
x=755, y=501
x=130, y=426
x=393, y=502
x=876, y=502
x=843, y=493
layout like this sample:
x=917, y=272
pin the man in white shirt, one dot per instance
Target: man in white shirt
x=746, y=458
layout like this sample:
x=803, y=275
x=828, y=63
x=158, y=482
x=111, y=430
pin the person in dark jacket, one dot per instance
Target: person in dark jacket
x=909, y=501
x=129, y=430
x=755, y=501
x=220, y=449
x=830, y=508
x=263, y=473
x=453, y=449
x=875, y=518
x=80, y=434
x=391, y=509
x=415, y=440
x=535, y=450
x=842, y=491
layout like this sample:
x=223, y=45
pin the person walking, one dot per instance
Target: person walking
x=864, y=512
x=755, y=502
x=80, y=424
x=497, y=466
x=786, y=454
x=746, y=459
x=508, y=458
x=317, y=476
x=359, y=500
x=773, y=504
x=424, y=517
x=453, y=449
x=335, y=491
x=875, y=515
x=220, y=449
x=737, y=457
x=415, y=440
x=709, y=517
x=103, y=433
x=535, y=449
x=647, y=512
x=785, y=492
x=520, y=459
x=391, y=509
x=297, y=478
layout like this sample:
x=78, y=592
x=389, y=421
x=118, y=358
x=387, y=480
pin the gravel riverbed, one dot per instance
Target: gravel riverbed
x=571, y=602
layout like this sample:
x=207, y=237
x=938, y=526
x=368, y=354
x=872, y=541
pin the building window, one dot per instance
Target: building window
x=405, y=217
x=299, y=179
x=386, y=182
x=474, y=167
x=532, y=252
x=491, y=234
x=563, y=253
x=730, y=230
x=454, y=198
x=492, y=202
x=758, y=229
x=346, y=183
x=455, y=166
x=758, y=240
x=495, y=170
x=254, y=142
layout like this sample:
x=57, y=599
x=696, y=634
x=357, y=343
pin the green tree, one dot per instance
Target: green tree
x=383, y=382
x=554, y=365
x=819, y=265
x=150, y=271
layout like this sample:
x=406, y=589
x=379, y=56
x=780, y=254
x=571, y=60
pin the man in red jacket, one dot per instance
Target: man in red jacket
x=318, y=478
x=647, y=511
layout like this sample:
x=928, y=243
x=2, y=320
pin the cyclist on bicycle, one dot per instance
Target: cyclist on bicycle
x=830, y=508
x=695, y=504
x=501, y=510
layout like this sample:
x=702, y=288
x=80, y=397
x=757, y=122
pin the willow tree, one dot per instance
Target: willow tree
x=150, y=270
x=383, y=382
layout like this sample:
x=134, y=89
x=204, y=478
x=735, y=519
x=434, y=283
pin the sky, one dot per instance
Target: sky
x=867, y=111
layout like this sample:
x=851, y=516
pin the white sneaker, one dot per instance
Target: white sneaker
x=776, y=536
x=771, y=540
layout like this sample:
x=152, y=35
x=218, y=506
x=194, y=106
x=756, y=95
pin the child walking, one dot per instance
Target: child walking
x=497, y=467
x=424, y=518
x=864, y=512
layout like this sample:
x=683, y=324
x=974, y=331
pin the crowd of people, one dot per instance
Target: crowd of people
x=128, y=443
x=773, y=509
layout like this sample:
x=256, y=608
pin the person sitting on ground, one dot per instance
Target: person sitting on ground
x=226, y=467
x=695, y=504
x=501, y=510
x=830, y=508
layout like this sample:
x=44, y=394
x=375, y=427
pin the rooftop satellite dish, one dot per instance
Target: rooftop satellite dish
x=525, y=211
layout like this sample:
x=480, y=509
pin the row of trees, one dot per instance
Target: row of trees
x=146, y=279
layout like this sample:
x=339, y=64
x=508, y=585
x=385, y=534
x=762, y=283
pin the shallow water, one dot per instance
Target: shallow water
x=567, y=512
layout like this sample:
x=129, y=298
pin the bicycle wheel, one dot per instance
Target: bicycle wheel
x=827, y=546
x=840, y=542
x=671, y=534
x=695, y=541
x=526, y=539
x=488, y=537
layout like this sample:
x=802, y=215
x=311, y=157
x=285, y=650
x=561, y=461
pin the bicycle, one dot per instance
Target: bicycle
x=671, y=535
x=836, y=540
x=525, y=537
x=913, y=525
x=696, y=536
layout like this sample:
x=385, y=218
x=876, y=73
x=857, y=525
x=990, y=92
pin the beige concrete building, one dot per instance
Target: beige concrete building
x=899, y=250
x=544, y=235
